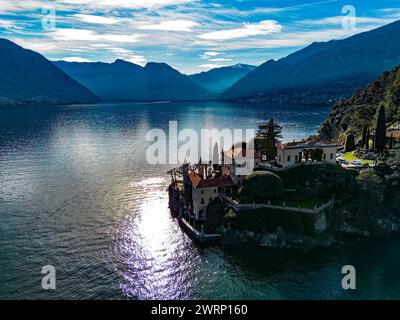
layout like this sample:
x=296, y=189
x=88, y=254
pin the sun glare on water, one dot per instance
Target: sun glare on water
x=148, y=244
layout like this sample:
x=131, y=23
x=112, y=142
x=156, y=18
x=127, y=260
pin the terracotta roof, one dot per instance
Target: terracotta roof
x=393, y=133
x=198, y=182
x=216, y=182
x=195, y=178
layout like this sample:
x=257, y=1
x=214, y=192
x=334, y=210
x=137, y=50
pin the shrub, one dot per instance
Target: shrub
x=260, y=186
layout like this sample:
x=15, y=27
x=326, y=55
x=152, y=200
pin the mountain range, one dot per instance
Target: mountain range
x=26, y=77
x=218, y=80
x=124, y=81
x=323, y=71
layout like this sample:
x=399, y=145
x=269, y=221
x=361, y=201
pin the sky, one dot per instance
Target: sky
x=190, y=35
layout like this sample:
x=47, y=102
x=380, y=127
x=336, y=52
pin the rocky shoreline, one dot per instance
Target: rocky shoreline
x=282, y=239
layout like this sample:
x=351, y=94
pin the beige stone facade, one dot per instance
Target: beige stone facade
x=295, y=153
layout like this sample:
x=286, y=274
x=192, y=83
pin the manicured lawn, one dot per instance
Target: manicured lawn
x=350, y=156
x=269, y=220
x=309, y=203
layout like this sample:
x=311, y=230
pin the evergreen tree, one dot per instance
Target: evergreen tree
x=380, y=130
x=268, y=135
x=350, y=144
x=364, y=137
x=215, y=156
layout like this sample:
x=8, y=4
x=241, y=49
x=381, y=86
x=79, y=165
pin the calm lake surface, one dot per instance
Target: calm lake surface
x=77, y=193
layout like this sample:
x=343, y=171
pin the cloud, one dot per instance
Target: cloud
x=90, y=35
x=75, y=59
x=131, y=4
x=338, y=20
x=137, y=59
x=71, y=5
x=211, y=53
x=12, y=26
x=36, y=45
x=173, y=25
x=248, y=30
x=220, y=59
x=96, y=19
x=211, y=66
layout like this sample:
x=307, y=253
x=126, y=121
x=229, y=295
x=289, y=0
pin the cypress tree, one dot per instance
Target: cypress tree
x=364, y=138
x=350, y=144
x=380, y=130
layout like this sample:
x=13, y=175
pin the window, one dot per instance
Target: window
x=219, y=189
x=280, y=158
x=331, y=156
x=210, y=199
x=296, y=158
x=202, y=201
x=324, y=156
x=202, y=191
x=215, y=190
x=202, y=214
x=288, y=158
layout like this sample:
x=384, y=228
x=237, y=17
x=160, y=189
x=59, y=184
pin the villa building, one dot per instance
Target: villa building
x=295, y=153
x=203, y=186
x=393, y=132
x=203, y=191
x=236, y=158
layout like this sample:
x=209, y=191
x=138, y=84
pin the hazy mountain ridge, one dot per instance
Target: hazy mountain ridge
x=26, y=77
x=323, y=71
x=351, y=115
x=126, y=81
x=217, y=80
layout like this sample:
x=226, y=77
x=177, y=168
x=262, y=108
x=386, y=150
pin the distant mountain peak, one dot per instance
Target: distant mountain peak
x=242, y=66
x=126, y=81
x=158, y=66
x=323, y=71
x=218, y=80
x=120, y=61
x=27, y=77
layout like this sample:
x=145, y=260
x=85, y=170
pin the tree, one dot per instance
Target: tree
x=350, y=143
x=393, y=164
x=371, y=185
x=380, y=130
x=268, y=135
x=364, y=138
x=215, y=156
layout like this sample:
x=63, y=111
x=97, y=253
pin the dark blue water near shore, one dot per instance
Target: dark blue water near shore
x=76, y=192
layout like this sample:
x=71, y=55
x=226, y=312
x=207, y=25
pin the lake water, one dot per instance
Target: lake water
x=77, y=193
